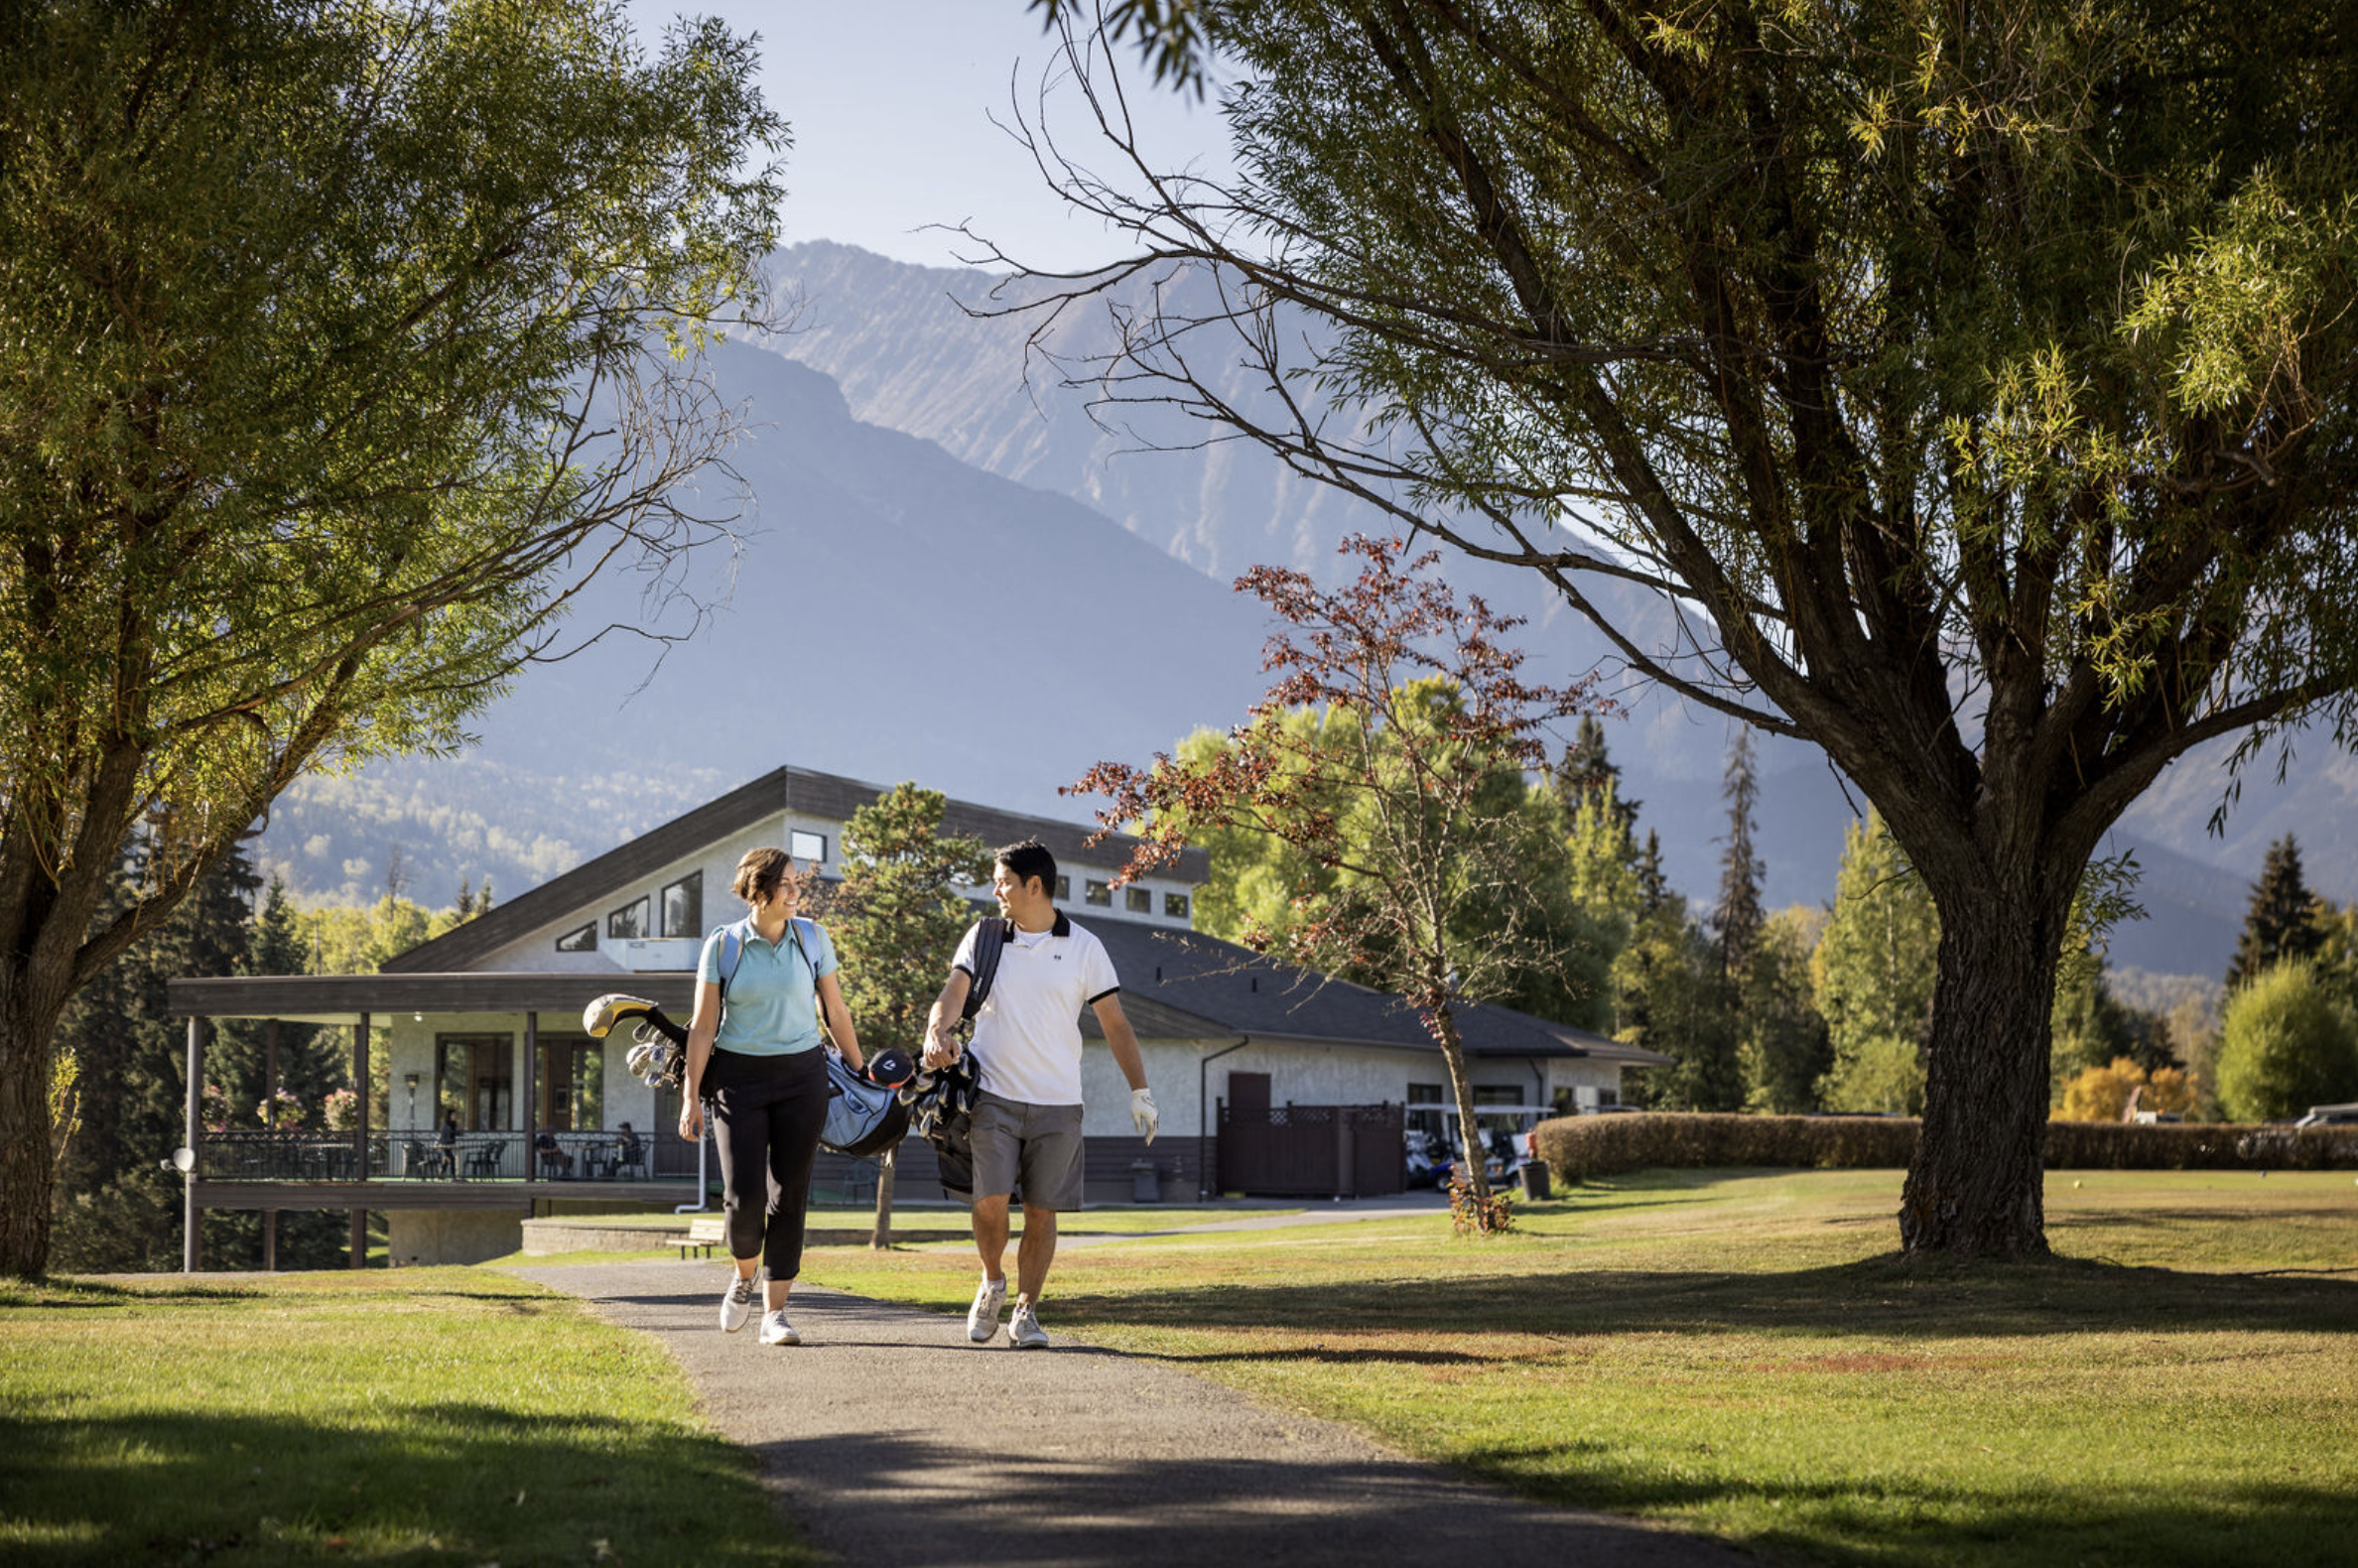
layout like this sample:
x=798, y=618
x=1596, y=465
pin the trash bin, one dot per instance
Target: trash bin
x=1145, y=1182
x=1534, y=1179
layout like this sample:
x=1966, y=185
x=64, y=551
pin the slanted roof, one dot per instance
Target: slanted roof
x=801, y=791
x=1184, y=984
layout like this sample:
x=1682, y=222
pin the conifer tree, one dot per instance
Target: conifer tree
x=1587, y=770
x=2281, y=920
x=1737, y=919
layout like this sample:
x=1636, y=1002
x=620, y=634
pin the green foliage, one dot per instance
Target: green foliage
x=1672, y=999
x=1977, y=390
x=2092, y=1026
x=341, y=939
x=1783, y=1048
x=1873, y=973
x=899, y=911
x=1593, y=1148
x=116, y=1211
x=345, y=343
x=2283, y=920
x=2286, y=1043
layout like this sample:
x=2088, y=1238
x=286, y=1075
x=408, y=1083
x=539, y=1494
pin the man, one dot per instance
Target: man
x=1027, y=1055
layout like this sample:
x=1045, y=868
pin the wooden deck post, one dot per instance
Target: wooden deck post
x=192, y=1133
x=360, y=1137
x=270, y=1083
x=531, y=1110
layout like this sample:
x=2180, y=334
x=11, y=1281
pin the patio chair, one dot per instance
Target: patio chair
x=484, y=1159
x=414, y=1160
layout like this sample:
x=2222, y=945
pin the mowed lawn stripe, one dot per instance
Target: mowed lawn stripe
x=1739, y=1352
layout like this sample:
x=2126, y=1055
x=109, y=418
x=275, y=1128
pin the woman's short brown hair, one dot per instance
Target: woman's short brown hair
x=760, y=873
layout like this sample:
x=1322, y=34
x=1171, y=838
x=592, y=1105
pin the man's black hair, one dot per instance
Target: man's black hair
x=1027, y=860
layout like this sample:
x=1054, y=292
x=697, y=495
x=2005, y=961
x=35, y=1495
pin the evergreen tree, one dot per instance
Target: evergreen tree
x=1784, y=1049
x=1873, y=972
x=1737, y=919
x=2282, y=921
x=118, y=1210
x=1586, y=771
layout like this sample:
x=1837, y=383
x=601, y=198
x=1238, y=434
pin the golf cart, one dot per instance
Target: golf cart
x=1505, y=1133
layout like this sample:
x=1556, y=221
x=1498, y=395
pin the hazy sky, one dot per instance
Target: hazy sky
x=890, y=100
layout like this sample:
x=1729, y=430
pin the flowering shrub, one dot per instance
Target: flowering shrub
x=284, y=1108
x=1469, y=1213
x=341, y=1108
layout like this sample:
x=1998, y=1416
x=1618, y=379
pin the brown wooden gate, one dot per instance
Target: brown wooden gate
x=1312, y=1151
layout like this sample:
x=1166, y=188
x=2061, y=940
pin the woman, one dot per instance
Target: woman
x=761, y=1063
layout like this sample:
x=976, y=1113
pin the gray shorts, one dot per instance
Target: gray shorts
x=1032, y=1148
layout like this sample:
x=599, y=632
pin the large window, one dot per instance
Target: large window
x=474, y=1075
x=580, y=938
x=634, y=919
x=805, y=845
x=1141, y=902
x=682, y=906
x=572, y=1082
x=1098, y=893
x=1434, y=1096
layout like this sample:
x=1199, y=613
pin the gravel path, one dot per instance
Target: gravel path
x=893, y=1443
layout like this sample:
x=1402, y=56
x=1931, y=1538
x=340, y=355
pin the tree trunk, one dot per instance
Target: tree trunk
x=27, y=1173
x=881, y=1237
x=1976, y=1187
x=1443, y=1027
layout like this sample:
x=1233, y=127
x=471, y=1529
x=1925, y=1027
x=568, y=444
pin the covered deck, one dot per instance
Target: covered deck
x=505, y=1168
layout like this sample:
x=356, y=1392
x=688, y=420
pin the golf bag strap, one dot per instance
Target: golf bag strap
x=734, y=937
x=990, y=938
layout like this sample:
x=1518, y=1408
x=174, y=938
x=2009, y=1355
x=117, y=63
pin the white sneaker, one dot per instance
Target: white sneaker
x=982, y=1316
x=736, y=1307
x=775, y=1330
x=1024, y=1329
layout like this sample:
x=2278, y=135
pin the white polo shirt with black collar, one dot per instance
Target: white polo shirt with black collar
x=1027, y=1037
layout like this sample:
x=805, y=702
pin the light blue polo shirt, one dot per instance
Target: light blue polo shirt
x=773, y=1006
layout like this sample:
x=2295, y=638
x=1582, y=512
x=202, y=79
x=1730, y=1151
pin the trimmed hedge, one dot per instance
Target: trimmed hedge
x=1579, y=1148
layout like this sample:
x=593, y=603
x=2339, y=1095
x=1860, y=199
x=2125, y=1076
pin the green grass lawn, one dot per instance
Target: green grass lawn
x=424, y=1415
x=1740, y=1352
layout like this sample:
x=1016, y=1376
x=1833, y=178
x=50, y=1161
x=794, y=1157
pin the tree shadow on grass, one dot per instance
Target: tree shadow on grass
x=1884, y=1298
x=492, y=1482
x=895, y=1499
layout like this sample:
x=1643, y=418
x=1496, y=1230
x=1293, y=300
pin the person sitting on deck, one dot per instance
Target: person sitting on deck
x=547, y=1149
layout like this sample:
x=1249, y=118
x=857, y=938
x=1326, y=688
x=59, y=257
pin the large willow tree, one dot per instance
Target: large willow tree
x=1970, y=385
x=341, y=341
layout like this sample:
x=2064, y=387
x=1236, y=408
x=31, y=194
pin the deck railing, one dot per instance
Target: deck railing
x=257, y=1155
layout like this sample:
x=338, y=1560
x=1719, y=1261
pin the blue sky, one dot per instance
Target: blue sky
x=890, y=103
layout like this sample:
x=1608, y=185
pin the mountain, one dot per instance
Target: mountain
x=915, y=348
x=928, y=499
x=894, y=613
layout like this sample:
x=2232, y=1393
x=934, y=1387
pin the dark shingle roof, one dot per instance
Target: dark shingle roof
x=1185, y=984
x=799, y=790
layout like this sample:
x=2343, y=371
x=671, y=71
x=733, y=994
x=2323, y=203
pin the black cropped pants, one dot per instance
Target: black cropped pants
x=767, y=1113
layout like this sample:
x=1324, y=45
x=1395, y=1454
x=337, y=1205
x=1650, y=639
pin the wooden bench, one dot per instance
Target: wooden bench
x=705, y=1231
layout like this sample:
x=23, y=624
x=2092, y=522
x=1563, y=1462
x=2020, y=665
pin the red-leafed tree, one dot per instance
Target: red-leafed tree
x=1390, y=755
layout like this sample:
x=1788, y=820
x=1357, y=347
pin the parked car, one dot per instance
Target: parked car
x=2328, y=1116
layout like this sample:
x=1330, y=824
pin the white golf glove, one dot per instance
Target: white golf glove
x=1143, y=1115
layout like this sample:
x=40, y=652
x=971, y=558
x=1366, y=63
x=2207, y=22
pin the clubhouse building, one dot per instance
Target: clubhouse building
x=1271, y=1078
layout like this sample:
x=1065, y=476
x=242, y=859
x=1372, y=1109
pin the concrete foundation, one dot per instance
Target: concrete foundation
x=451, y=1236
